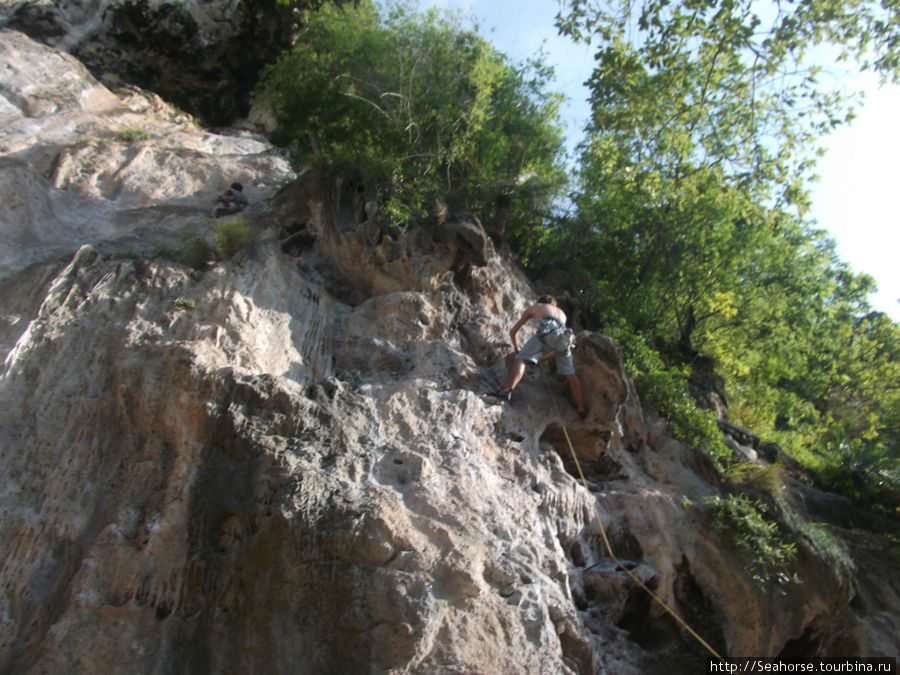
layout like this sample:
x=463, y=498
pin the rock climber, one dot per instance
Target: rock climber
x=230, y=201
x=551, y=339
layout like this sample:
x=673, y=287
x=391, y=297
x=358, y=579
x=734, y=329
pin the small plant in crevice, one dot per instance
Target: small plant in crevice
x=825, y=542
x=398, y=214
x=232, y=235
x=185, y=303
x=756, y=534
x=164, y=250
x=132, y=134
x=196, y=251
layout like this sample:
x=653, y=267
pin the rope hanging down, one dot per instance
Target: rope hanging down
x=608, y=546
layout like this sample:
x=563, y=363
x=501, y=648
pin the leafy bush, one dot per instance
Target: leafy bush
x=232, y=235
x=667, y=389
x=759, y=537
x=699, y=233
x=196, y=251
x=423, y=107
x=397, y=212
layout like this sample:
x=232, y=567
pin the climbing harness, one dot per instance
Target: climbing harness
x=555, y=335
x=606, y=543
x=549, y=325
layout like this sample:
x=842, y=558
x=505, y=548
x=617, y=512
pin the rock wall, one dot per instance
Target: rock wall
x=203, y=56
x=81, y=164
x=284, y=462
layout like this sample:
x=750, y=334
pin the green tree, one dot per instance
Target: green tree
x=690, y=226
x=425, y=108
x=698, y=145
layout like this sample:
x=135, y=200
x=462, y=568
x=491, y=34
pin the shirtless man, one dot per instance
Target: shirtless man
x=551, y=337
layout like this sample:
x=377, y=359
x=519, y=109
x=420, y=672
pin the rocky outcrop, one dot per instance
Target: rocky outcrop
x=81, y=164
x=204, y=57
x=284, y=462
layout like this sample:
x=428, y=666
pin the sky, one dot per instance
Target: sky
x=855, y=199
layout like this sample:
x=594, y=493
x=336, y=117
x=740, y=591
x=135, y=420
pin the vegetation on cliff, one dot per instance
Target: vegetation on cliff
x=691, y=226
x=425, y=108
x=687, y=232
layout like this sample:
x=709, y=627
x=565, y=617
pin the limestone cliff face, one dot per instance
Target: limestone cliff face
x=284, y=463
x=203, y=56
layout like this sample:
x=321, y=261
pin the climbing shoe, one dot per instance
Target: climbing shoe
x=582, y=414
x=502, y=395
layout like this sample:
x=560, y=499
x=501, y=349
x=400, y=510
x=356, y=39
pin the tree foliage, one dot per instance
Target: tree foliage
x=698, y=145
x=691, y=222
x=422, y=106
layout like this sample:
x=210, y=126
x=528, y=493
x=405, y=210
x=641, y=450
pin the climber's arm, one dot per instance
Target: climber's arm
x=514, y=331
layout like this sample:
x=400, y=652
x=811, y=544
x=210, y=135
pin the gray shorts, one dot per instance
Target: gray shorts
x=558, y=343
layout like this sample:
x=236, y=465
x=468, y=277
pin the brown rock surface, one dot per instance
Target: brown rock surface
x=285, y=464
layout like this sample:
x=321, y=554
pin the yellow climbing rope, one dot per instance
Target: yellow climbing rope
x=606, y=543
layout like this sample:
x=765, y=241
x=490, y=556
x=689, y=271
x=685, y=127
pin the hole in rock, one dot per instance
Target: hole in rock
x=837, y=644
x=624, y=544
x=697, y=610
x=296, y=238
